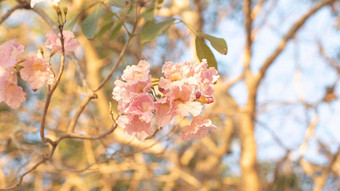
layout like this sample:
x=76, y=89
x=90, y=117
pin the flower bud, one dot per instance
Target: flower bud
x=65, y=10
x=206, y=100
x=198, y=94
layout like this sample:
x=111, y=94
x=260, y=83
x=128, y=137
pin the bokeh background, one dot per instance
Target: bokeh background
x=276, y=104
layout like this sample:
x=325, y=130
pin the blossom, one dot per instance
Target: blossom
x=53, y=2
x=205, y=78
x=197, y=76
x=142, y=105
x=132, y=124
x=165, y=111
x=36, y=72
x=182, y=98
x=10, y=92
x=4, y=76
x=53, y=41
x=9, y=52
x=198, y=128
x=182, y=91
x=177, y=74
x=136, y=81
x=136, y=72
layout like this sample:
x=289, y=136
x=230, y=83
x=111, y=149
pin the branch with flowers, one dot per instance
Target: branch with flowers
x=145, y=104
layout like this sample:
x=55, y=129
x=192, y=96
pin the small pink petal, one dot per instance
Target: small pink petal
x=4, y=76
x=12, y=94
x=54, y=43
x=198, y=128
x=9, y=52
x=142, y=106
x=135, y=72
x=193, y=107
x=134, y=126
x=36, y=72
x=165, y=111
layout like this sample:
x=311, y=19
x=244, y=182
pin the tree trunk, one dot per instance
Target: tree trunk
x=250, y=180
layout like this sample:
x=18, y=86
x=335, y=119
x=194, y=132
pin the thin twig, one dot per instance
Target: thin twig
x=289, y=35
x=81, y=108
x=9, y=12
x=51, y=91
x=121, y=55
x=46, y=18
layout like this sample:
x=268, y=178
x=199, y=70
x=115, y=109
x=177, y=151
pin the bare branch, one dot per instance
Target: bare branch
x=248, y=26
x=81, y=108
x=46, y=18
x=320, y=181
x=289, y=35
x=257, y=9
x=9, y=12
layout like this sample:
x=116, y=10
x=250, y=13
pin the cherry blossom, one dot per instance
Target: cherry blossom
x=135, y=103
x=142, y=106
x=198, y=128
x=137, y=72
x=36, y=72
x=53, y=2
x=9, y=52
x=53, y=42
x=4, y=76
x=10, y=92
x=182, y=91
x=165, y=111
x=133, y=125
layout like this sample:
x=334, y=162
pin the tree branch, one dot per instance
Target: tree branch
x=288, y=36
x=248, y=26
x=9, y=12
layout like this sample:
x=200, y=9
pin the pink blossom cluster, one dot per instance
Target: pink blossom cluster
x=33, y=68
x=144, y=102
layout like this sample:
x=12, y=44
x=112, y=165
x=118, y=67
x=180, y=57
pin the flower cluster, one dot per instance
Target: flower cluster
x=33, y=68
x=144, y=102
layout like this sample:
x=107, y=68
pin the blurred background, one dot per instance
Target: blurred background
x=276, y=104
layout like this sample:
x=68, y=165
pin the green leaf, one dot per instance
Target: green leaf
x=104, y=29
x=109, y=16
x=117, y=3
x=148, y=14
x=89, y=25
x=151, y=30
x=71, y=24
x=116, y=29
x=204, y=52
x=219, y=44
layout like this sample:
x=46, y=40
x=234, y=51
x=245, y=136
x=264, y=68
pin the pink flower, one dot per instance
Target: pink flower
x=165, y=111
x=9, y=52
x=137, y=72
x=4, y=76
x=176, y=72
x=198, y=128
x=190, y=74
x=10, y=92
x=181, y=92
x=34, y=2
x=133, y=125
x=206, y=77
x=183, y=100
x=142, y=105
x=36, y=72
x=136, y=81
x=70, y=43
